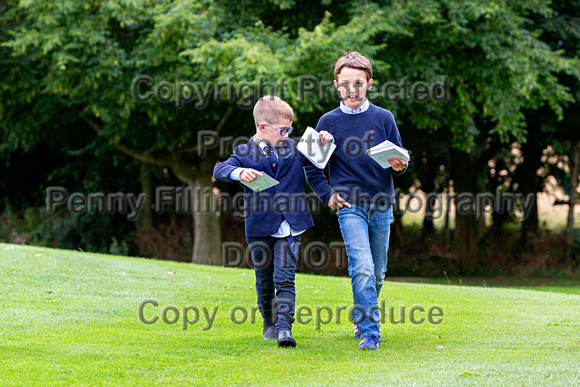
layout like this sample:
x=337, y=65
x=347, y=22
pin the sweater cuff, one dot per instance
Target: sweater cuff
x=325, y=198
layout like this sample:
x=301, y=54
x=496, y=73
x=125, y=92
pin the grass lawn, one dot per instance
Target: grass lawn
x=71, y=317
x=546, y=284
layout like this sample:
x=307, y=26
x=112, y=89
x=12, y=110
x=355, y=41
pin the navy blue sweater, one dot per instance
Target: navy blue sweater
x=354, y=174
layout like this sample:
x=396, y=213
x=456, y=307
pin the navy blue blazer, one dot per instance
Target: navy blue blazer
x=264, y=211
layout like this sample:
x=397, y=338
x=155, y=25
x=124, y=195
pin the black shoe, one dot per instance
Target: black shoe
x=285, y=339
x=269, y=333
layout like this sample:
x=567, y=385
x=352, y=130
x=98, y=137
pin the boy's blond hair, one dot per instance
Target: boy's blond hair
x=353, y=60
x=272, y=109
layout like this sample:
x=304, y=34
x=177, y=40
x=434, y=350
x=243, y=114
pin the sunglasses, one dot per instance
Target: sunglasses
x=282, y=131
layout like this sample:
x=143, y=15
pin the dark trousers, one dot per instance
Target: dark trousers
x=275, y=268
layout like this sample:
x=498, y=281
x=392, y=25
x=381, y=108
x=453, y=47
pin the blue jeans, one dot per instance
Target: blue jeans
x=366, y=229
x=275, y=268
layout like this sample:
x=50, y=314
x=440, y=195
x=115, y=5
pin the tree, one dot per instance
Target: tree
x=497, y=68
x=561, y=31
x=150, y=78
x=86, y=57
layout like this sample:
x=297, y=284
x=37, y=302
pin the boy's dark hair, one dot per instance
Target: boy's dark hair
x=353, y=60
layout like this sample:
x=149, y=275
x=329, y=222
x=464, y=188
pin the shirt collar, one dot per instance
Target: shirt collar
x=261, y=144
x=348, y=110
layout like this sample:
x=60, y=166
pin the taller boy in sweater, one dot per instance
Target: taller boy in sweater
x=276, y=217
x=357, y=125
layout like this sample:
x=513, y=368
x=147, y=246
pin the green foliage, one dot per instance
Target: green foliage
x=497, y=68
x=67, y=70
x=87, y=55
x=119, y=248
x=86, y=232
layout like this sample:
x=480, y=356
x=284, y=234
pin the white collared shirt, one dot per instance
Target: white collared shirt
x=347, y=110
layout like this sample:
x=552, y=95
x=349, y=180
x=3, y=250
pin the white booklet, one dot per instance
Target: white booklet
x=310, y=146
x=261, y=183
x=387, y=149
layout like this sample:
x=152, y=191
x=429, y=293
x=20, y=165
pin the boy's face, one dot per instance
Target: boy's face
x=353, y=85
x=272, y=136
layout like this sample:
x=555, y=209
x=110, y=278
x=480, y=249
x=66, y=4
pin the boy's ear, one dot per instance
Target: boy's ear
x=335, y=84
x=262, y=128
x=370, y=84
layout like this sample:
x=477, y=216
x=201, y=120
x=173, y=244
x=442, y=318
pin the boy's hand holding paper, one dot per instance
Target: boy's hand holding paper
x=311, y=147
x=387, y=150
x=324, y=137
x=256, y=180
x=397, y=164
x=250, y=174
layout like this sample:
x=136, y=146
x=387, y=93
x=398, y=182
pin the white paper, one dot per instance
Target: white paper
x=387, y=149
x=261, y=183
x=310, y=146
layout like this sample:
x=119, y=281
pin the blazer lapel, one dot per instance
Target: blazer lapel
x=260, y=155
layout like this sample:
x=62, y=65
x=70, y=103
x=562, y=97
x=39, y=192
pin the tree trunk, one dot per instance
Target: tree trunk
x=145, y=220
x=206, y=224
x=570, y=234
x=498, y=215
x=446, y=220
x=529, y=182
x=144, y=223
x=206, y=236
x=397, y=240
x=464, y=175
x=428, y=186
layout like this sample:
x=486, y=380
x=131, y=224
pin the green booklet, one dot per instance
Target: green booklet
x=261, y=183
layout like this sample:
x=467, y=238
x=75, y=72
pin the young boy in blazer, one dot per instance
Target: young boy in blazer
x=276, y=217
